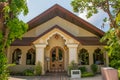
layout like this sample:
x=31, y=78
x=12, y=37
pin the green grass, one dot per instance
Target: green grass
x=87, y=74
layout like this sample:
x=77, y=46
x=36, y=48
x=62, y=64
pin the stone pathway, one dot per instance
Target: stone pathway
x=97, y=77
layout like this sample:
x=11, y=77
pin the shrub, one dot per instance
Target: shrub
x=82, y=69
x=72, y=66
x=87, y=74
x=119, y=73
x=38, y=69
x=94, y=68
x=28, y=72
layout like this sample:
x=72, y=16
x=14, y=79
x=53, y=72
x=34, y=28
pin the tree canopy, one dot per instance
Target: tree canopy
x=112, y=8
x=11, y=28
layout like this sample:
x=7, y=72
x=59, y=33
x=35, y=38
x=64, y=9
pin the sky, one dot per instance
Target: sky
x=36, y=7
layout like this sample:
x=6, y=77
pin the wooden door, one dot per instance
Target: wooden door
x=57, y=59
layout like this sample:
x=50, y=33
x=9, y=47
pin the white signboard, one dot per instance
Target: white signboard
x=75, y=74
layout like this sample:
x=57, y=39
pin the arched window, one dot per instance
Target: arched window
x=16, y=56
x=30, y=57
x=83, y=57
x=98, y=57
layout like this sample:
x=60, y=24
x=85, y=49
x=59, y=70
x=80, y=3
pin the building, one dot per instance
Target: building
x=56, y=38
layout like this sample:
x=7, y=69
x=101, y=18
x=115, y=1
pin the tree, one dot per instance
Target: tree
x=112, y=36
x=10, y=29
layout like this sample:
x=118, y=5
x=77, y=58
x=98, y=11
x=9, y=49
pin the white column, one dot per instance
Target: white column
x=40, y=55
x=23, y=56
x=73, y=52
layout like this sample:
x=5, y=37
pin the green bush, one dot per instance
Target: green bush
x=119, y=73
x=3, y=67
x=87, y=74
x=69, y=69
x=28, y=72
x=82, y=69
x=38, y=69
x=94, y=68
x=72, y=66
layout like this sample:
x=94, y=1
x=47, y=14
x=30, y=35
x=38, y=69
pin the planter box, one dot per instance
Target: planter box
x=109, y=73
x=75, y=74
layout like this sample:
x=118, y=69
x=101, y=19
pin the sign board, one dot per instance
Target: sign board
x=75, y=74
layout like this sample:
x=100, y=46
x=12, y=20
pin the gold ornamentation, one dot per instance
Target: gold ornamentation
x=56, y=36
x=47, y=47
x=65, y=47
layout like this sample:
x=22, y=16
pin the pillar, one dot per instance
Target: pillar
x=73, y=52
x=40, y=55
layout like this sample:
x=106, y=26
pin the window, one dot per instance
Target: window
x=83, y=57
x=98, y=57
x=30, y=57
x=16, y=56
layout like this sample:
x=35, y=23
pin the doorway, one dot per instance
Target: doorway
x=57, y=59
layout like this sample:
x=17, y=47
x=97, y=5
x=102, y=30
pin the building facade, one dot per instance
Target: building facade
x=56, y=38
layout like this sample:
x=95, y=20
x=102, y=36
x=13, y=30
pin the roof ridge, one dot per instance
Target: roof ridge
x=57, y=10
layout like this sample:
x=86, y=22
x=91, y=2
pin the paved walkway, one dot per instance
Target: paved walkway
x=98, y=77
x=52, y=77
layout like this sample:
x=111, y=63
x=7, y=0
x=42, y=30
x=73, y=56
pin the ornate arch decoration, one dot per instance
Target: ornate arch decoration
x=16, y=56
x=98, y=57
x=58, y=33
x=30, y=57
x=83, y=57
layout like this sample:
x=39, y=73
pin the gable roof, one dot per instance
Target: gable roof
x=26, y=41
x=57, y=10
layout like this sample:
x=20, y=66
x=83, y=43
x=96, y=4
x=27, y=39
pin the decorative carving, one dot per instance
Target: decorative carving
x=65, y=47
x=56, y=36
x=47, y=47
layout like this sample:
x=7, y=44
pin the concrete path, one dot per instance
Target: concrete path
x=57, y=77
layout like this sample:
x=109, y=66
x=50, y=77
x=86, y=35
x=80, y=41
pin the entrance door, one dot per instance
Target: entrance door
x=57, y=59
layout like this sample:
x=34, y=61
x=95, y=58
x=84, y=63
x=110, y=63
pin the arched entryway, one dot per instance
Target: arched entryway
x=50, y=45
x=57, y=59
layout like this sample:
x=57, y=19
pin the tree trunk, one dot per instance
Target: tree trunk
x=3, y=28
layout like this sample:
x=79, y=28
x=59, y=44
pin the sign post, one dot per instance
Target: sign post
x=75, y=74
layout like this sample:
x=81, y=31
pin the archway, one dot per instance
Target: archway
x=57, y=59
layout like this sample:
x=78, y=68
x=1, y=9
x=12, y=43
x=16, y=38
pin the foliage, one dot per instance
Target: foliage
x=11, y=28
x=114, y=58
x=119, y=74
x=94, y=68
x=28, y=72
x=3, y=67
x=83, y=56
x=98, y=56
x=72, y=66
x=82, y=69
x=38, y=69
x=112, y=9
x=87, y=74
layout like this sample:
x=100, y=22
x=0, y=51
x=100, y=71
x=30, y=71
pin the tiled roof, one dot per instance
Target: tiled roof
x=26, y=41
